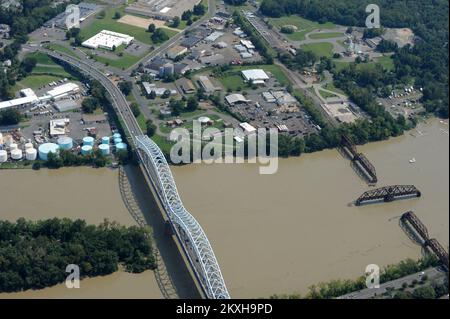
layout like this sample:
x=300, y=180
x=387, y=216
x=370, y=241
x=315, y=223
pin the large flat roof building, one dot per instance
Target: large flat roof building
x=206, y=84
x=257, y=76
x=161, y=9
x=86, y=10
x=108, y=40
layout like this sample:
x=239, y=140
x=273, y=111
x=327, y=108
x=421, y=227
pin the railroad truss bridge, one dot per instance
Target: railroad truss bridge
x=388, y=194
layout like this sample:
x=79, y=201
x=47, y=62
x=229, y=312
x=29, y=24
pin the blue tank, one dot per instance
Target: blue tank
x=117, y=141
x=47, y=148
x=65, y=143
x=105, y=140
x=88, y=140
x=86, y=149
x=104, y=149
x=121, y=147
x=116, y=135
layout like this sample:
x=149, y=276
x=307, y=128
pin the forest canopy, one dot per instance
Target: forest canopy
x=34, y=255
x=426, y=61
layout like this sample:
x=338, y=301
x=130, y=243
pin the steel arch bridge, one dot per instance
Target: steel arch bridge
x=188, y=231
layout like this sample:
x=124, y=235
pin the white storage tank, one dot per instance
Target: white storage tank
x=30, y=154
x=117, y=141
x=88, y=140
x=3, y=156
x=47, y=148
x=1, y=138
x=29, y=145
x=13, y=146
x=116, y=135
x=86, y=149
x=16, y=154
x=104, y=149
x=65, y=142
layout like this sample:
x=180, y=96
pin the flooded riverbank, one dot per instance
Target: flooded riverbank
x=284, y=232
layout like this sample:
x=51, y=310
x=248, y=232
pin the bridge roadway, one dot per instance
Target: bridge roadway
x=188, y=231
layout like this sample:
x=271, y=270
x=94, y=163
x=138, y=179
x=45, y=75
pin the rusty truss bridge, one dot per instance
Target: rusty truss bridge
x=363, y=164
x=430, y=243
x=388, y=194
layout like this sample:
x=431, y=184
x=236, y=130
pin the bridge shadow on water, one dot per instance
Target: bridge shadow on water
x=414, y=236
x=172, y=274
x=355, y=167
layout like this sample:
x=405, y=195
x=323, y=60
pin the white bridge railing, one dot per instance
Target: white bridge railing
x=189, y=232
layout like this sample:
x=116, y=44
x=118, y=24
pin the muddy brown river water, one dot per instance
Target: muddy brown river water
x=271, y=233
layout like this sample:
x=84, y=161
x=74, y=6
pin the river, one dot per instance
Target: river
x=271, y=233
x=282, y=233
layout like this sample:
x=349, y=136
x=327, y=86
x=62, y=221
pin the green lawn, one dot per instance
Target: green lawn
x=108, y=23
x=330, y=86
x=233, y=80
x=36, y=81
x=326, y=94
x=142, y=122
x=61, y=48
x=385, y=61
x=42, y=58
x=50, y=70
x=320, y=49
x=326, y=35
x=304, y=26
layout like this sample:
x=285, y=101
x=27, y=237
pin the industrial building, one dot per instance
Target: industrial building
x=186, y=86
x=27, y=97
x=159, y=91
x=214, y=36
x=66, y=105
x=161, y=9
x=233, y=99
x=86, y=10
x=256, y=76
x=176, y=51
x=206, y=84
x=58, y=127
x=248, y=129
x=60, y=91
x=108, y=40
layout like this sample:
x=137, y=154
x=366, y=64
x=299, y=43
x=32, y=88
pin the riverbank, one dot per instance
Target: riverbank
x=298, y=227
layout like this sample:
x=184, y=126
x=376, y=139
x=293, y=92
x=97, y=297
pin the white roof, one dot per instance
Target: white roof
x=18, y=102
x=214, y=36
x=234, y=98
x=63, y=90
x=255, y=75
x=248, y=44
x=107, y=39
x=247, y=127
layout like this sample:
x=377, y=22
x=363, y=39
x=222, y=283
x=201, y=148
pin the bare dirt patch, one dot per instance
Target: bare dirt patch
x=142, y=22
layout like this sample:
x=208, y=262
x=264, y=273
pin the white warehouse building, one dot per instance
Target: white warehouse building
x=257, y=76
x=60, y=91
x=108, y=40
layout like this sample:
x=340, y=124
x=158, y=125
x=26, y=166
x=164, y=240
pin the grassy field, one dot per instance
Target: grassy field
x=326, y=35
x=108, y=23
x=233, y=80
x=41, y=58
x=330, y=86
x=385, y=61
x=320, y=49
x=61, y=48
x=304, y=26
x=35, y=81
x=326, y=94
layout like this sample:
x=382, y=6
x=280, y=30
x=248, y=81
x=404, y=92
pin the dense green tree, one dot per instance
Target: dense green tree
x=151, y=28
x=126, y=87
x=159, y=36
x=34, y=255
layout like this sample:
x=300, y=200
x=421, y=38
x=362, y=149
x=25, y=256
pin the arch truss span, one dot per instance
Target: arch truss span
x=189, y=232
